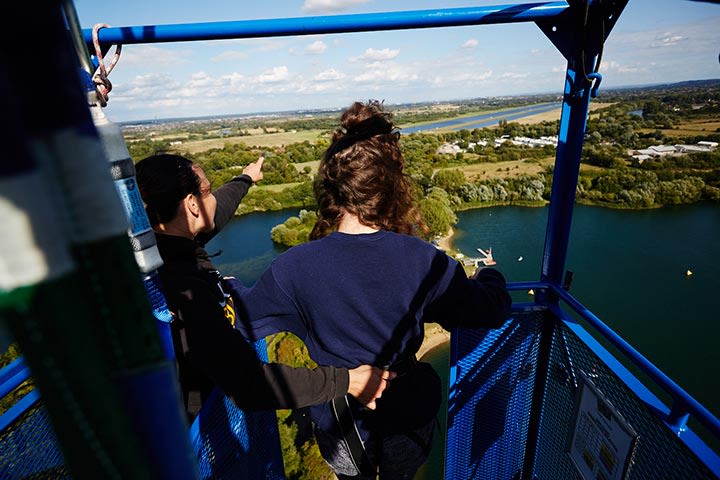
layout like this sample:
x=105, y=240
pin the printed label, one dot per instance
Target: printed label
x=134, y=207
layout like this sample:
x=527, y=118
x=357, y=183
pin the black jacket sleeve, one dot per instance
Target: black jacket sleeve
x=228, y=198
x=482, y=301
x=223, y=354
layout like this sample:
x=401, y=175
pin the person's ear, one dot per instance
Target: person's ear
x=191, y=204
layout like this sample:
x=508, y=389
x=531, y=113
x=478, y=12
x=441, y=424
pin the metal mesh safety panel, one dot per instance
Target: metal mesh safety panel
x=233, y=444
x=29, y=449
x=492, y=375
x=659, y=453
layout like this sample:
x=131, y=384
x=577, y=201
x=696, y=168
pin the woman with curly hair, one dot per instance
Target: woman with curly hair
x=361, y=292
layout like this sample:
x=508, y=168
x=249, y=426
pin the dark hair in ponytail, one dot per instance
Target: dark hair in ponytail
x=164, y=180
x=362, y=173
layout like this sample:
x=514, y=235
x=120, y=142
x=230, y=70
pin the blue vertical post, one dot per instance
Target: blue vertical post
x=579, y=34
x=565, y=176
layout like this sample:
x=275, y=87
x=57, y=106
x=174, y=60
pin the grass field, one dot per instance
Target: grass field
x=276, y=139
x=261, y=140
x=691, y=128
x=515, y=168
x=313, y=166
x=276, y=188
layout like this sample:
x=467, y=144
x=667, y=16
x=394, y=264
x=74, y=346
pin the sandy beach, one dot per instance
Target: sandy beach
x=445, y=242
x=434, y=335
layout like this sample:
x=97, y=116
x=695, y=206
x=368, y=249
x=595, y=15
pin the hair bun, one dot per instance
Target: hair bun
x=364, y=120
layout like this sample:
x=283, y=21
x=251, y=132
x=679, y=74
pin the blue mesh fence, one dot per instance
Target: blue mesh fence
x=228, y=443
x=29, y=448
x=232, y=444
x=492, y=374
x=659, y=454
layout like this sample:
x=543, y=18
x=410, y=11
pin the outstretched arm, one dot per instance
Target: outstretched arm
x=229, y=197
x=480, y=301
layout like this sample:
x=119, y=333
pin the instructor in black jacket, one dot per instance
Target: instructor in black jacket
x=185, y=215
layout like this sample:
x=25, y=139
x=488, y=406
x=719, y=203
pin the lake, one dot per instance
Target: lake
x=629, y=268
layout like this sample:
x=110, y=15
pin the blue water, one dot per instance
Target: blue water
x=486, y=119
x=629, y=269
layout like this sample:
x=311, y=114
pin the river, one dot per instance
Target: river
x=490, y=119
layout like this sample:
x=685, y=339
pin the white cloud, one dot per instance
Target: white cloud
x=379, y=72
x=274, y=75
x=151, y=79
x=470, y=44
x=372, y=55
x=460, y=79
x=613, y=66
x=667, y=40
x=229, y=56
x=316, y=48
x=200, y=79
x=265, y=44
x=514, y=75
x=320, y=6
x=138, y=55
x=328, y=75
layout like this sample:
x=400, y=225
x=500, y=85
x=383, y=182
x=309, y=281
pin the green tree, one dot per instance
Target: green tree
x=449, y=180
x=295, y=230
x=436, y=211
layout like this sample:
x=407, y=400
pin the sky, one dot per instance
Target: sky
x=654, y=41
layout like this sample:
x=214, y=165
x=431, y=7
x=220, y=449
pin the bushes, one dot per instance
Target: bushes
x=295, y=230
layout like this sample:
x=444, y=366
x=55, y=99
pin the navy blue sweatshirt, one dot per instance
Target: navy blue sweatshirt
x=356, y=299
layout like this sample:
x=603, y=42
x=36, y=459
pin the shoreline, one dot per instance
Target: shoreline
x=476, y=206
x=435, y=335
x=445, y=242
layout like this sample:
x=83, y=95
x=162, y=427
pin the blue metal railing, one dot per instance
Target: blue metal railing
x=577, y=95
x=684, y=403
x=368, y=22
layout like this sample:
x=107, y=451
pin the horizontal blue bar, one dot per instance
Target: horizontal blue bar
x=11, y=369
x=20, y=407
x=363, y=22
x=519, y=286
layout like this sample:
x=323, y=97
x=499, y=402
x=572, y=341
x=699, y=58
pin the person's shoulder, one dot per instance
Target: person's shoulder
x=298, y=254
x=410, y=241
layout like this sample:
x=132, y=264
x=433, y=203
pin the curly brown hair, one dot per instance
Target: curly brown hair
x=362, y=173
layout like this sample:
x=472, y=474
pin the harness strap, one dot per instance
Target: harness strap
x=193, y=397
x=404, y=366
x=346, y=422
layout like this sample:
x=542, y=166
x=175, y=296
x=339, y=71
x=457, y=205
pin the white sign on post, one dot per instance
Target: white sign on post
x=602, y=443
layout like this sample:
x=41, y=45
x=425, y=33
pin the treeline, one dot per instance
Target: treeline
x=700, y=172
x=443, y=186
x=221, y=164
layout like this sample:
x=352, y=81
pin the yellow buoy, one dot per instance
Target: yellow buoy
x=531, y=292
x=688, y=273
